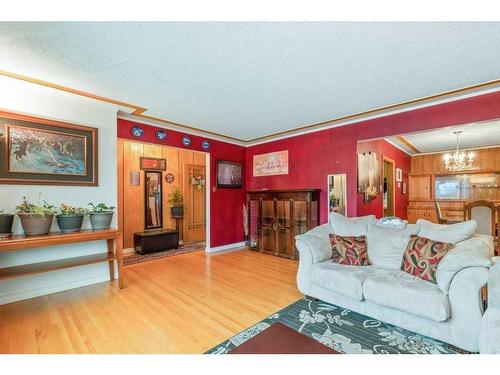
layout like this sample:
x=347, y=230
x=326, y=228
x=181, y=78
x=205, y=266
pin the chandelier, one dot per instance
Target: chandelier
x=458, y=160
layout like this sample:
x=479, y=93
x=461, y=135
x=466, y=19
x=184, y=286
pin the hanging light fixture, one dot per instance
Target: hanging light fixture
x=458, y=160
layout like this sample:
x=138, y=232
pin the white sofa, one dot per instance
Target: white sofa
x=450, y=310
x=489, y=340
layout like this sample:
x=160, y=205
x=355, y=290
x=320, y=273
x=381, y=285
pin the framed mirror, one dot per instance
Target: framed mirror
x=337, y=194
x=153, y=200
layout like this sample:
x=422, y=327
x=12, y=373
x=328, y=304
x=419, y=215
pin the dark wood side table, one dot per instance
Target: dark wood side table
x=113, y=238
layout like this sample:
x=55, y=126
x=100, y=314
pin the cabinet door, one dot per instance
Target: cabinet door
x=267, y=233
x=431, y=216
x=284, y=246
x=411, y=216
x=419, y=188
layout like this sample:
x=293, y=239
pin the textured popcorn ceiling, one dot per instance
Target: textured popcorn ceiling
x=251, y=79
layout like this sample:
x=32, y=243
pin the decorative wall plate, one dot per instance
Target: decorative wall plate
x=186, y=141
x=161, y=135
x=205, y=145
x=137, y=131
x=169, y=177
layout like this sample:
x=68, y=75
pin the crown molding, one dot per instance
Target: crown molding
x=139, y=115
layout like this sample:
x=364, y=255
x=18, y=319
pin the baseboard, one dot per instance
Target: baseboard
x=32, y=293
x=224, y=247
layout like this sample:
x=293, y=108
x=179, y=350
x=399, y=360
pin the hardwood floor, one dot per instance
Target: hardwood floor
x=180, y=304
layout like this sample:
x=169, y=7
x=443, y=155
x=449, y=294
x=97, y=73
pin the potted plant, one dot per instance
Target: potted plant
x=176, y=203
x=101, y=215
x=6, y=221
x=70, y=218
x=36, y=219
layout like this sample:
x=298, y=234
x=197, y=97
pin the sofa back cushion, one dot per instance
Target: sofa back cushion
x=422, y=257
x=452, y=233
x=353, y=226
x=386, y=246
x=349, y=250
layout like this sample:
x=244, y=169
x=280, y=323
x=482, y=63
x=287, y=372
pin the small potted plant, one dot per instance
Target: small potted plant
x=6, y=221
x=36, y=219
x=70, y=218
x=176, y=203
x=101, y=215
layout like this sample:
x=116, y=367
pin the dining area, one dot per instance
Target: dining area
x=485, y=213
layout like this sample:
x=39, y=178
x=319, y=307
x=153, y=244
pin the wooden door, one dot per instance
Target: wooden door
x=194, y=203
x=419, y=188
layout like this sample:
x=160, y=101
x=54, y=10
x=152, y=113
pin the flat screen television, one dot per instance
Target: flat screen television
x=229, y=174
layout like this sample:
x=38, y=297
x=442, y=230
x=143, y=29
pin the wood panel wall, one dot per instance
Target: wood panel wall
x=131, y=198
x=486, y=160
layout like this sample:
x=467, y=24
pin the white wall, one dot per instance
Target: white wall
x=27, y=98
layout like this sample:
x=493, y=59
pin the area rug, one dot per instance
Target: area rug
x=342, y=330
x=183, y=249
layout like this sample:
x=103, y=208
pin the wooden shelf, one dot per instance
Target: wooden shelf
x=112, y=237
x=55, y=238
x=35, y=268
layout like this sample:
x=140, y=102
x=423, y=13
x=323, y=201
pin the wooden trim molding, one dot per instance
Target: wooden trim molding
x=139, y=111
x=408, y=144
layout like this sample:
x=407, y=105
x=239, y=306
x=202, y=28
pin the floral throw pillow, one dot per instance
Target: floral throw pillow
x=349, y=250
x=422, y=256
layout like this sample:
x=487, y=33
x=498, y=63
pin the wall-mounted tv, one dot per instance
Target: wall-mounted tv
x=229, y=174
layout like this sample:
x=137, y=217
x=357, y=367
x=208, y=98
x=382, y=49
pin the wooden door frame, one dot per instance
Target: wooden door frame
x=121, y=178
x=328, y=192
x=390, y=161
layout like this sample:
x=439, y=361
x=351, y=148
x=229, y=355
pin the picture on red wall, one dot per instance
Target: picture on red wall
x=229, y=174
x=270, y=164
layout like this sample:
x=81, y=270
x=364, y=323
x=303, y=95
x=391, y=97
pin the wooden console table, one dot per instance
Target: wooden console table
x=113, y=238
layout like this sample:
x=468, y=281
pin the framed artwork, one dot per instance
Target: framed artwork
x=273, y=163
x=399, y=175
x=46, y=152
x=229, y=174
x=152, y=164
x=368, y=175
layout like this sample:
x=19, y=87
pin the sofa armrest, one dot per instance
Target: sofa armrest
x=474, y=252
x=314, y=246
x=494, y=285
x=467, y=305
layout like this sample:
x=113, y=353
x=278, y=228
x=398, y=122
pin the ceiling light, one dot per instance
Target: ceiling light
x=458, y=160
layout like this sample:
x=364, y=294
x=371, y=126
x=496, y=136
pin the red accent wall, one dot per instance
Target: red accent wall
x=315, y=155
x=402, y=161
x=225, y=204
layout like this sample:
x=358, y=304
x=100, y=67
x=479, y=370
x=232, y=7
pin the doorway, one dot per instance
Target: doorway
x=388, y=202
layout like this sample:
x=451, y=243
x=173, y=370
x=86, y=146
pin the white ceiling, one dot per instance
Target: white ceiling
x=252, y=79
x=473, y=135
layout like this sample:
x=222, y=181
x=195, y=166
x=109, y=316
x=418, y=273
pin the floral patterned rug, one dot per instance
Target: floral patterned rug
x=342, y=330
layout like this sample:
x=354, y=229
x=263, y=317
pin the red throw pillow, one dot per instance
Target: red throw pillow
x=349, y=250
x=422, y=256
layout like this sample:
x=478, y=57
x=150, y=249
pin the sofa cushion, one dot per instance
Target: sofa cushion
x=386, y=246
x=353, y=226
x=349, y=250
x=342, y=279
x=402, y=291
x=422, y=257
x=453, y=233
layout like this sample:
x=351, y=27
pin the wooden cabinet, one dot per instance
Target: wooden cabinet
x=277, y=216
x=451, y=210
x=420, y=188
